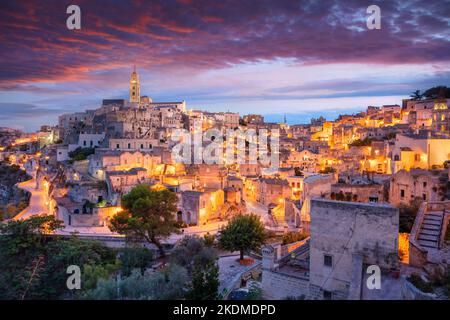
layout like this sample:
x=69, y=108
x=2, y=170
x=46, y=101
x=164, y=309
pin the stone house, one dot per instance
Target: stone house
x=121, y=182
x=271, y=191
x=405, y=186
x=346, y=238
x=197, y=207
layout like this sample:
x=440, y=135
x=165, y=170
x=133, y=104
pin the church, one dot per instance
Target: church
x=138, y=101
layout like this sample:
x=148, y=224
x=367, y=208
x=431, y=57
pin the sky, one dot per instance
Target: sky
x=299, y=58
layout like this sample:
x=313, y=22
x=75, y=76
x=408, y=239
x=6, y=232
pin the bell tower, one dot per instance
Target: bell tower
x=135, y=90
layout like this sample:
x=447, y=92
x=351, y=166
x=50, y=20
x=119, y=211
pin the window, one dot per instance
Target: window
x=142, y=146
x=129, y=146
x=373, y=199
x=117, y=146
x=425, y=184
x=424, y=196
x=417, y=157
x=327, y=295
x=327, y=260
x=84, y=143
x=402, y=193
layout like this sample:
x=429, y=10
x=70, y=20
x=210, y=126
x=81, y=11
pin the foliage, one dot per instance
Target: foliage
x=205, y=282
x=292, y=237
x=167, y=284
x=255, y=293
x=81, y=153
x=12, y=199
x=407, y=215
x=210, y=239
x=192, y=252
x=341, y=196
x=391, y=135
x=417, y=281
x=243, y=233
x=447, y=232
x=101, y=203
x=437, y=92
x=298, y=172
x=135, y=258
x=34, y=263
x=148, y=215
x=361, y=143
x=200, y=260
x=416, y=95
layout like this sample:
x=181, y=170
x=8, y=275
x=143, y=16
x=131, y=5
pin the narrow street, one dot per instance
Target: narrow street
x=258, y=209
x=38, y=199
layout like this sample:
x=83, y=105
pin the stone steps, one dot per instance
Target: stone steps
x=431, y=222
x=428, y=244
x=430, y=227
x=428, y=237
x=430, y=230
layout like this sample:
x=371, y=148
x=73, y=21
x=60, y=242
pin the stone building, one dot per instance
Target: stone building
x=368, y=192
x=116, y=160
x=271, y=191
x=422, y=150
x=345, y=239
x=406, y=186
x=122, y=181
x=196, y=207
x=253, y=118
x=441, y=117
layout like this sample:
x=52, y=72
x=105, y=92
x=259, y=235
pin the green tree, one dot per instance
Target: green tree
x=166, y=284
x=199, y=257
x=193, y=251
x=437, y=92
x=416, y=95
x=135, y=258
x=81, y=153
x=407, y=215
x=298, y=172
x=148, y=215
x=34, y=261
x=205, y=282
x=292, y=237
x=243, y=233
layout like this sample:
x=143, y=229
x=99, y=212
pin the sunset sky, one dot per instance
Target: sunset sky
x=303, y=58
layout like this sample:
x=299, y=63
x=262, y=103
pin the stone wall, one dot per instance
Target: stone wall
x=343, y=230
x=277, y=286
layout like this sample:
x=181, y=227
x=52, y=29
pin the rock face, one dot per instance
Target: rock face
x=12, y=198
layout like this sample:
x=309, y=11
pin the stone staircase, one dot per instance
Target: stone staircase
x=430, y=230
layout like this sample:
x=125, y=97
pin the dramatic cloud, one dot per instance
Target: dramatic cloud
x=177, y=45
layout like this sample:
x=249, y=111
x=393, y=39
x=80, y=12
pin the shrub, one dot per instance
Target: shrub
x=291, y=237
x=418, y=282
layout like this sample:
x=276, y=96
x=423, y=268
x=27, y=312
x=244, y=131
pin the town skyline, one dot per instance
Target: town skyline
x=220, y=151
